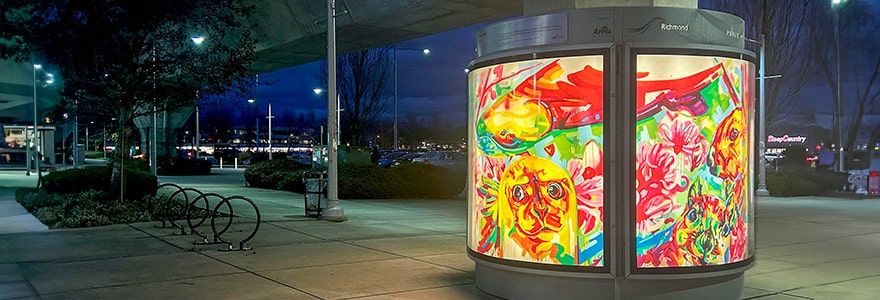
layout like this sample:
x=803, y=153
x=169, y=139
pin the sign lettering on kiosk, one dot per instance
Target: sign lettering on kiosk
x=786, y=139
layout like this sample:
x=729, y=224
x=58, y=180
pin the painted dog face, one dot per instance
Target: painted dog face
x=539, y=194
x=729, y=145
x=539, y=209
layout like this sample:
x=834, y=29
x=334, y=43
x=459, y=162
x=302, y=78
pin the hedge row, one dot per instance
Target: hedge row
x=138, y=183
x=85, y=197
x=803, y=181
x=183, y=166
x=362, y=181
x=275, y=174
x=82, y=209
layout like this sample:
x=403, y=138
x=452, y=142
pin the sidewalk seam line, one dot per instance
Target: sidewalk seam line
x=232, y=265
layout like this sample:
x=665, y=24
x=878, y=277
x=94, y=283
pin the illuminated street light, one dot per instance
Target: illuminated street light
x=319, y=91
x=424, y=51
x=36, y=156
x=198, y=41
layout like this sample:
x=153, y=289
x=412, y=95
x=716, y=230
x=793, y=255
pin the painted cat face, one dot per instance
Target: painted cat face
x=704, y=231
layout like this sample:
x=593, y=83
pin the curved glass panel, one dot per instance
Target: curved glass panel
x=693, y=153
x=536, y=142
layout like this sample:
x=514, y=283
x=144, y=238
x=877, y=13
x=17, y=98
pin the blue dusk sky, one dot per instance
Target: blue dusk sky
x=428, y=85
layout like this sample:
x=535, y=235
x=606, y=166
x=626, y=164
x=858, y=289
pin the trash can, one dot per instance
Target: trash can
x=315, y=193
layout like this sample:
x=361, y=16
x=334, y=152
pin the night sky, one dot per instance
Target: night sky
x=429, y=85
x=436, y=84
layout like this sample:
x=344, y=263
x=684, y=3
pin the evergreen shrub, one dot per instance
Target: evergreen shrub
x=268, y=174
x=362, y=180
x=793, y=181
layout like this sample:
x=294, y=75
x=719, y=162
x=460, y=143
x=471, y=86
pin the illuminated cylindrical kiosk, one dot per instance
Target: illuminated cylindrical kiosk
x=611, y=155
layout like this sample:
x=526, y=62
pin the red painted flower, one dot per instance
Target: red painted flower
x=587, y=175
x=657, y=182
x=680, y=134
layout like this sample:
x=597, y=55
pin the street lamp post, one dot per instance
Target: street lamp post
x=198, y=133
x=835, y=5
x=762, y=116
x=87, y=135
x=334, y=211
x=75, y=143
x=197, y=40
x=104, y=141
x=426, y=51
x=270, y=117
x=338, y=112
x=36, y=131
x=762, y=73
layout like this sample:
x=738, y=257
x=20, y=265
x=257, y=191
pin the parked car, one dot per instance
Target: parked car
x=406, y=158
x=446, y=159
x=225, y=151
x=210, y=159
x=388, y=158
x=773, y=157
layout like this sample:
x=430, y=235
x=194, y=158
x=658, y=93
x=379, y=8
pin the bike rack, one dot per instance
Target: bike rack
x=170, y=216
x=205, y=213
x=193, y=221
x=218, y=234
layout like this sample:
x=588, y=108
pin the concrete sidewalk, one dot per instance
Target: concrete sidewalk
x=808, y=248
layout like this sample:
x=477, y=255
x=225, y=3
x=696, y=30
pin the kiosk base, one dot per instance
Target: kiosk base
x=510, y=282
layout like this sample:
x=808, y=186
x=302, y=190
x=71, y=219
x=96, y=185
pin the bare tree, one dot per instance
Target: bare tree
x=859, y=58
x=131, y=58
x=361, y=82
x=784, y=26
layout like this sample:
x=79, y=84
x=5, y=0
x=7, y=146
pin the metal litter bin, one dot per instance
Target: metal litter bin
x=315, y=195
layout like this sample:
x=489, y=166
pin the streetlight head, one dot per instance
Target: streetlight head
x=197, y=39
x=318, y=91
x=426, y=51
x=835, y=3
x=251, y=100
x=38, y=66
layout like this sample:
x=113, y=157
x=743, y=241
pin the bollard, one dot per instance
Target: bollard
x=236, y=163
x=221, y=163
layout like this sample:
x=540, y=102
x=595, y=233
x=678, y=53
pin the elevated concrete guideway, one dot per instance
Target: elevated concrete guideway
x=295, y=32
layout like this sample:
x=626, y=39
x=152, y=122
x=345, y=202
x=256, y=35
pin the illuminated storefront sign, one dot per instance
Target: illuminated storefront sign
x=538, y=163
x=786, y=139
x=693, y=136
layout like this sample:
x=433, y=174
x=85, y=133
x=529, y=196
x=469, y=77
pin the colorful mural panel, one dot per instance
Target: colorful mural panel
x=693, y=148
x=538, y=166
